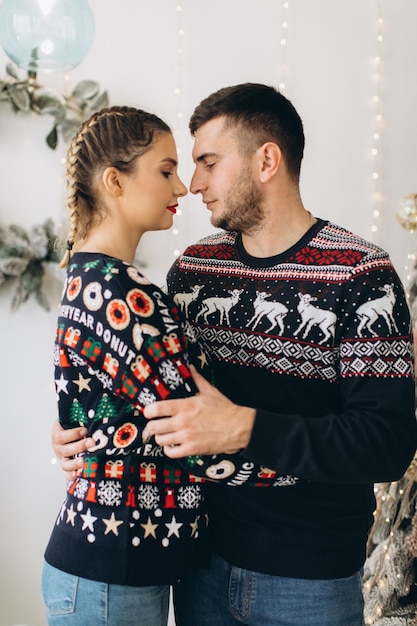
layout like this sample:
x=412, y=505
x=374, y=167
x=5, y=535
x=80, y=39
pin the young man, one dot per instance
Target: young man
x=309, y=332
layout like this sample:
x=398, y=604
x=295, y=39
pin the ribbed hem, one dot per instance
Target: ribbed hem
x=263, y=554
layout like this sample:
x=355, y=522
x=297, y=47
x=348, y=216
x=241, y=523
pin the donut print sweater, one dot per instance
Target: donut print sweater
x=134, y=516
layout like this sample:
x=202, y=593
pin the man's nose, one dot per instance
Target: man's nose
x=196, y=184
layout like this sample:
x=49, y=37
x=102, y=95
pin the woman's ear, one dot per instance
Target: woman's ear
x=111, y=179
x=269, y=158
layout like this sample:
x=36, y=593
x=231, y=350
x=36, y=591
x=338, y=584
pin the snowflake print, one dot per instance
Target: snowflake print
x=327, y=257
x=189, y=497
x=146, y=397
x=307, y=255
x=105, y=379
x=109, y=493
x=350, y=257
x=226, y=251
x=76, y=359
x=56, y=354
x=148, y=497
x=170, y=375
x=285, y=481
x=81, y=488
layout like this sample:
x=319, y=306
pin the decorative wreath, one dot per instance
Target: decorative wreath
x=26, y=256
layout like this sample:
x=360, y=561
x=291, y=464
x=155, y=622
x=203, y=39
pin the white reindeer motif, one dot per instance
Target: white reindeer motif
x=273, y=311
x=369, y=312
x=313, y=316
x=222, y=305
x=184, y=299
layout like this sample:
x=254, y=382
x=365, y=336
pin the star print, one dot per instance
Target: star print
x=83, y=383
x=61, y=384
x=173, y=527
x=149, y=528
x=61, y=513
x=88, y=521
x=202, y=357
x=194, y=527
x=112, y=525
x=71, y=514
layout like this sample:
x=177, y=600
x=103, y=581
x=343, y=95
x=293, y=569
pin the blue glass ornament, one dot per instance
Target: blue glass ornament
x=49, y=35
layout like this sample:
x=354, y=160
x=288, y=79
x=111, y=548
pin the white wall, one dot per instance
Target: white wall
x=330, y=51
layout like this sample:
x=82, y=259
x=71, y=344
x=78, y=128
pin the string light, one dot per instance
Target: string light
x=377, y=124
x=179, y=114
x=283, y=46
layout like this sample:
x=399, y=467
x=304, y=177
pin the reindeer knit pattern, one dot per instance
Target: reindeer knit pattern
x=318, y=340
x=134, y=517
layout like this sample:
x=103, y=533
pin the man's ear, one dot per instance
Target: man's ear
x=269, y=159
x=111, y=179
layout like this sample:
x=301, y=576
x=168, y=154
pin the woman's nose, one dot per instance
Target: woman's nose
x=182, y=189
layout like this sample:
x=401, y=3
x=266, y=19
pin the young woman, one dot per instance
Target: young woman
x=133, y=522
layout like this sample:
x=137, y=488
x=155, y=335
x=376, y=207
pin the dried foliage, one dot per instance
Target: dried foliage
x=25, y=257
x=68, y=112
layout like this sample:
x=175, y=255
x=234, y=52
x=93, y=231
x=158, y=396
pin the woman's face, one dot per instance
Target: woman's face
x=151, y=193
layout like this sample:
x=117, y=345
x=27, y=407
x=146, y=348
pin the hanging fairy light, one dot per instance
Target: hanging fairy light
x=407, y=217
x=179, y=114
x=283, y=46
x=49, y=35
x=377, y=124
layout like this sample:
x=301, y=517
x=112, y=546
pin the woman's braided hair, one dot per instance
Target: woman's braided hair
x=112, y=137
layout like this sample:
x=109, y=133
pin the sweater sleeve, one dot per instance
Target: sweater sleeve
x=231, y=469
x=141, y=323
x=371, y=436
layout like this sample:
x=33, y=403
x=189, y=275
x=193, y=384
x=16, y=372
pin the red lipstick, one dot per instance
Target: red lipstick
x=172, y=208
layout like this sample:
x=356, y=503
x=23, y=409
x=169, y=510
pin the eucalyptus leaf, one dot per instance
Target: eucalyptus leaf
x=12, y=71
x=19, y=97
x=42, y=299
x=47, y=97
x=99, y=102
x=52, y=138
x=86, y=89
x=68, y=129
x=57, y=113
x=19, y=298
x=75, y=106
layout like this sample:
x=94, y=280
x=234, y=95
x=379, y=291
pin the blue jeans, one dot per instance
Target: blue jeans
x=74, y=601
x=225, y=595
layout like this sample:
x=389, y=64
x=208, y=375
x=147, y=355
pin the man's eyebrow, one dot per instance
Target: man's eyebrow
x=204, y=156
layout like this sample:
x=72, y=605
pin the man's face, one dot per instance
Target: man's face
x=225, y=178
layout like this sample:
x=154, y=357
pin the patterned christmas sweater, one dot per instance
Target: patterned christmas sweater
x=134, y=517
x=316, y=339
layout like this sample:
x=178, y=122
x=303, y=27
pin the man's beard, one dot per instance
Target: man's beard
x=242, y=206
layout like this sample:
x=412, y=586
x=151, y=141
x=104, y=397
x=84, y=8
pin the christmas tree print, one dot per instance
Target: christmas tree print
x=77, y=414
x=194, y=460
x=105, y=410
x=91, y=265
x=109, y=269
